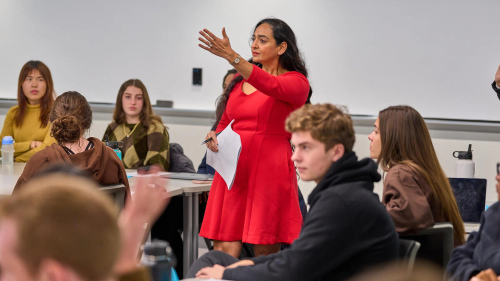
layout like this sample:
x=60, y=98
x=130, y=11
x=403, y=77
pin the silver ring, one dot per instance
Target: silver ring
x=209, y=45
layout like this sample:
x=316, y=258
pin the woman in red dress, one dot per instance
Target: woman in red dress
x=262, y=207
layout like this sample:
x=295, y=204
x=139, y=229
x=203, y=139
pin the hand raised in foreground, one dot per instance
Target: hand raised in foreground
x=149, y=200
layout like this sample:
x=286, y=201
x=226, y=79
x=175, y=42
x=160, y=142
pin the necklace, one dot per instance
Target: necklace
x=130, y=131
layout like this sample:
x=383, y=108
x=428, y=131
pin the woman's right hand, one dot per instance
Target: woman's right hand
x=212, y=145
x=35, y=144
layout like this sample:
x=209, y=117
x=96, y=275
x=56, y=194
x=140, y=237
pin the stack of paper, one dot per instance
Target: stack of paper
x=226, y=159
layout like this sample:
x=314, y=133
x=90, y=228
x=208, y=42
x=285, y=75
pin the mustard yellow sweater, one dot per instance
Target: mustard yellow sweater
x=28, y=132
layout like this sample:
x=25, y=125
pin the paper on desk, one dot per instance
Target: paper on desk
x=226, y=159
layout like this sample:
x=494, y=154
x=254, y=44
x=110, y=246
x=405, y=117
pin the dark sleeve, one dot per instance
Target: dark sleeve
x=494, y=85
x=320, y=248
x=462, y=266
x=291, y=87
x=204, y=168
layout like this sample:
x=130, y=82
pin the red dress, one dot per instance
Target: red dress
x=262, y=207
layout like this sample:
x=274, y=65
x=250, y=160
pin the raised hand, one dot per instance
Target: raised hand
x=220, y=47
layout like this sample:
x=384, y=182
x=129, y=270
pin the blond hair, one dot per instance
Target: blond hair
x=327, y=123
x=67, y=219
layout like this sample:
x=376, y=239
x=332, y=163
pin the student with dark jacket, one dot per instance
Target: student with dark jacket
x=346, y=230
x=71, y=116
x=479, y=258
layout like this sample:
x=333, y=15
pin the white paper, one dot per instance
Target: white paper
x=226, y=159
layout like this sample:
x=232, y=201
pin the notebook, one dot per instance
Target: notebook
x=470, y=195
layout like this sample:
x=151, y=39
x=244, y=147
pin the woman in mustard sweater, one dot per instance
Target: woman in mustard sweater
x=28, y=122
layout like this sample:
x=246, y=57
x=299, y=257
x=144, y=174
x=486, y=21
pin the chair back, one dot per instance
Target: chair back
x=117, y=192
x=436, y=243
x=408, y=250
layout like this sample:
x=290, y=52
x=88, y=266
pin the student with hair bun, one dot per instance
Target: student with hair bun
x=71, y=117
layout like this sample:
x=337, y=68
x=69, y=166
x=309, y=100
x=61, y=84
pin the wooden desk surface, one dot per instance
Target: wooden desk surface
x=10, y=174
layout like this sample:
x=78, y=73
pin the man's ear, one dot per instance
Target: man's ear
x=52, y=270
x=282, y=48
x=338, y=152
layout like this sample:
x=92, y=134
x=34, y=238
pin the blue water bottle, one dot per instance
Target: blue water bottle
x=115, y=145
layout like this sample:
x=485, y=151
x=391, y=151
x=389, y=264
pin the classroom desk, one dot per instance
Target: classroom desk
x=189, y=190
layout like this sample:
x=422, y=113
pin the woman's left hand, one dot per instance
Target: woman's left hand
x=215, y=272
x=217, y=46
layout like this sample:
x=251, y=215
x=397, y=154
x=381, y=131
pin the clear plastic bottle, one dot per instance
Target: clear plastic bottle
x=7, y=151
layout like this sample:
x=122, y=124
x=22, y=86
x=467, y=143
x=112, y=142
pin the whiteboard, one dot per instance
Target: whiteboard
x=439, y=56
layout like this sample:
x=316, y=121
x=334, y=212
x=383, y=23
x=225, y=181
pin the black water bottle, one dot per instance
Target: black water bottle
x=160, y=259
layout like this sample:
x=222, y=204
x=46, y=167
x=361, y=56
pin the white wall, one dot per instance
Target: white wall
x=438, y=56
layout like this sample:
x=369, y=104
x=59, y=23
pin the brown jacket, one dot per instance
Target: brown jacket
x=100, y=161
x=410, y=201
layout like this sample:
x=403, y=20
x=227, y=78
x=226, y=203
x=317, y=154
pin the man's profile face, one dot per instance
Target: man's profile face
x=310, y=157
x=12, y=268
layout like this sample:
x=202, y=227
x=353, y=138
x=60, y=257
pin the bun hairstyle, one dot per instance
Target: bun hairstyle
x=71, y=115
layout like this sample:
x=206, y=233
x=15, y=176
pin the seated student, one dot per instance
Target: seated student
x=346, y=229
x=145, y=139
x=37, y=244
x=71, y=116
x=479, y=258
x=416, y=193
x=28, y=121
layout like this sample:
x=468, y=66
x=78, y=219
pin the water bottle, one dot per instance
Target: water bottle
x=159, y=258
x=464, y=167
x=115, y=145
x=7, y=151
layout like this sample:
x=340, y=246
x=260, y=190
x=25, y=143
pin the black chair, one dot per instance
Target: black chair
x=408, y=250
x=436, y=243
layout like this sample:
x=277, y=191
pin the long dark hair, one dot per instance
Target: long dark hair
x=146, y=115
x=290, y=60
x=47, y=99
x=406, y=140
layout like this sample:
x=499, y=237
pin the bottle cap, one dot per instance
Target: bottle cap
x=7, y=140
x=464, y=155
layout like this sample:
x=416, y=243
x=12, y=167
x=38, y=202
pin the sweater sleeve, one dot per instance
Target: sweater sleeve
x=36, y=163
x=158, y=144
x=8, y=126
x=406, y=204
x=291, y=87
x=320, y=248
x=462, y=266
x=8, y=130
x=47, y=141
x=108, y=132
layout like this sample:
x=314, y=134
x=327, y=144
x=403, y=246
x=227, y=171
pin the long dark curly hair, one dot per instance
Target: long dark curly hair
x=290, y=60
